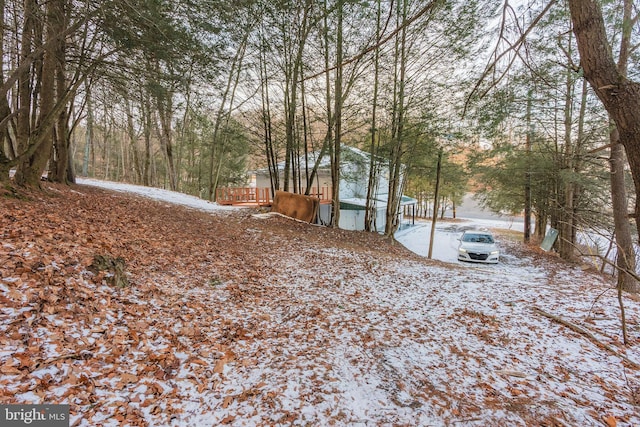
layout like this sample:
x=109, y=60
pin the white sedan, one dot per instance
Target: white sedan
x=478, y=246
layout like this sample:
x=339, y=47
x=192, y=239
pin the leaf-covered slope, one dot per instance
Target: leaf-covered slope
x=233, y=318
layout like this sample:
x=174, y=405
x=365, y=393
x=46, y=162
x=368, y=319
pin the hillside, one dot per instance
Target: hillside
x=231, y=317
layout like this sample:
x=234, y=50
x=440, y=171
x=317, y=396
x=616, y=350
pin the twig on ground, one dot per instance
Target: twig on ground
x=589, y=335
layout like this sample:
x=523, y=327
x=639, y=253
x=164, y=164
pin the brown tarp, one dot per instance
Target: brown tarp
x=298, y=206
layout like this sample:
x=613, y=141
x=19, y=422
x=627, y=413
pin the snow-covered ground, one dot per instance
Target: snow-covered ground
x=445, y=244
x=350, y=340
x=470, y=215
x=415, y=238
x=157, y=194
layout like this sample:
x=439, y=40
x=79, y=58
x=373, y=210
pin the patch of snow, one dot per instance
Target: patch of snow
x=158, y=194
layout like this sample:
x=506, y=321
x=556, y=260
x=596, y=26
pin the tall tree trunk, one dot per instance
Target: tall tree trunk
x=5, y=112
x=147, y=129
x=164, y=104
x=527, y=177
x=225, y=135
x=372, y=186
x=327, y=143
x=274, y=173
x=222, y=117
x=133, y=139
x=24, y=90
x=185, y=126
x=32, y=168
x=60, y=159
x=566, y=181
x=306, y=136
x=106, y=152
x=397, y=139
x=579, y=162
x=626, y=256
x=88, y=134
x=620, y=96
x=293, y=73
x=335, y=158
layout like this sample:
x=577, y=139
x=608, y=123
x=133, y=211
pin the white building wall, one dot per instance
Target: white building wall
x=353, y=184
x=350, y=220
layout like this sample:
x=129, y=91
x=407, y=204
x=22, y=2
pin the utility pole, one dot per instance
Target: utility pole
x=436, y=206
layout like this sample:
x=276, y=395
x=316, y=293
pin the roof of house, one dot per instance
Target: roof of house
x=357, y=203
x=348, y=155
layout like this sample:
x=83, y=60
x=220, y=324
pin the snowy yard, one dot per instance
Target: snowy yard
x=319, y=328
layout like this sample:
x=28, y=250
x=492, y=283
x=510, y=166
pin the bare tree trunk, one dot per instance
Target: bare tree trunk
x=626, y=256
x=225, y=136
x=106, y=152
x=327, y=143
x=527, y=177
x=60, y=160
x=146, y=113
x=306, y=136
x=293, y=65
x=185, y=125
x=620, y=96
x=274, y=173
x=335, y=158
x=566, y=192
x=88, y=134
x=372, y=187
x=542, y=220
x=397, y=139
x=222, y=117
x=5, y=112
x=24, y=91
x=123, y=168
x=32, y=168
x=133, y=139
x=578, y=161
x=164, y=104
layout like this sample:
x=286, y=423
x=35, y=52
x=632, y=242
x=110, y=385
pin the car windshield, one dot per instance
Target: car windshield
x=477, y=238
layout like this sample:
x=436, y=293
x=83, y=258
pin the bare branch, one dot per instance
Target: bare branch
x=491, y=66
x=601, y=148
x=430, y=6
x=587, y=334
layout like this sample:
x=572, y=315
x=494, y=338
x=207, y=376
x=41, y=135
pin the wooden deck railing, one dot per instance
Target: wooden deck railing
x=260, y=196
x=322, y=193
x=243, y=195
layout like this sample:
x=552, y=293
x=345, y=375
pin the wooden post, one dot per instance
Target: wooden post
x=435, y=204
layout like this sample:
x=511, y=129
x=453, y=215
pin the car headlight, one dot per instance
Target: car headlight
x=463, y=250
x=495, y=252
